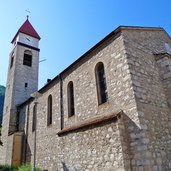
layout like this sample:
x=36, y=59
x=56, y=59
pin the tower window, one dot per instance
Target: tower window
x=27, y=60
x=101, y=83
x=34, y=119
x=26, y=84
x=12, y=61
x=71, y=108
x=49, y=111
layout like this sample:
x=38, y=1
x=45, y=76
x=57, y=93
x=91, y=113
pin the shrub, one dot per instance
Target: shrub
x=7, y=168
x=26, y=167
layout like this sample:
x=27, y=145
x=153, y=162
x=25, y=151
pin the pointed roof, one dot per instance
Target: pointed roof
x=28, y=29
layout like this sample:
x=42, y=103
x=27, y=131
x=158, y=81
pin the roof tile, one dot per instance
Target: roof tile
x=28, y=29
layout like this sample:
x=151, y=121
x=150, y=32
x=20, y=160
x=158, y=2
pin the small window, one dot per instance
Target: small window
x=26, y=85
x=101, y=83
x=27, y=60
x=49, y=112
x=34, y=119
x=12, y=61
x=7, y=109
x=71, y=108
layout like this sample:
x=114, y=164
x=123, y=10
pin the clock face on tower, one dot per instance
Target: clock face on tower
x=28, y=40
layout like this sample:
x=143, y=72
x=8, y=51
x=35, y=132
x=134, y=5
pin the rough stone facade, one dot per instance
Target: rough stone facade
x=129, y=132
x=152, y=97
x=16, y=93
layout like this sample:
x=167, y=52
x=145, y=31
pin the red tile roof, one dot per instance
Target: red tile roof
x=28, y=29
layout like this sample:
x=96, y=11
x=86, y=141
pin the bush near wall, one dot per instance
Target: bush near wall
x=26, y=167
x=7, y=168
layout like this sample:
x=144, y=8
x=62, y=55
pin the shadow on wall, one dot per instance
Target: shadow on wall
x=65, y=167
x=28, y=154
x=126, y=128
x=133, y=134
x=26, y=150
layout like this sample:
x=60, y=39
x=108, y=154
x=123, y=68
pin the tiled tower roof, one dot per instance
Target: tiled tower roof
x=28, y=29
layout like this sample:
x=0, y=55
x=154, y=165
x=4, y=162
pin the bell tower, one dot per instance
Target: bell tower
x=22, y=79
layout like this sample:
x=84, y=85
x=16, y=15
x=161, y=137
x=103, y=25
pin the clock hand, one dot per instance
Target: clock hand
x=28, y=39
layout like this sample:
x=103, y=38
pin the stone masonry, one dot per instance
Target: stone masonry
x=16, y=93
x=129, y=132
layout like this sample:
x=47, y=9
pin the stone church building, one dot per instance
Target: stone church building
x=110, y=110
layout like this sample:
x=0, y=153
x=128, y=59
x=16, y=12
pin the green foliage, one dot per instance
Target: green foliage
x=2, y=95
x=7, y=168
x=26, y=167
x=2, y=90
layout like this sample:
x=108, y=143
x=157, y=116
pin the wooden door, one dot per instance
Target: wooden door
x=17, y=149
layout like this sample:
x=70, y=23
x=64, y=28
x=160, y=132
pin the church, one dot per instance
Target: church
x=110, y=110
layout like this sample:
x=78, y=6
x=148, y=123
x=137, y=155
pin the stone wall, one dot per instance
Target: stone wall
x=9, y=149
x=94, y=148
x=7, y=110
x=25, y=74
x=16, y=93
x=151, y=145
x=164, y=65
x=139, y=141
x=106, y=145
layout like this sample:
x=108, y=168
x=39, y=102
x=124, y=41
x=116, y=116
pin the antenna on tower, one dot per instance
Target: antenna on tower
x=42, y=60
x=28, y=13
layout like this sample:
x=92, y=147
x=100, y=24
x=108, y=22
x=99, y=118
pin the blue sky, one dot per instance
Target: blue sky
x=68, y=28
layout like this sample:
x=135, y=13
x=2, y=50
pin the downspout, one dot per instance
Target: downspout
x=26, y=135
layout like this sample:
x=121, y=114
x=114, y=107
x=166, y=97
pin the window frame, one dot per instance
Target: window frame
x=49, y=110
x=71, y=101
x=12, y=61
x=101, y=85
x=27, y=58
x=34, y=118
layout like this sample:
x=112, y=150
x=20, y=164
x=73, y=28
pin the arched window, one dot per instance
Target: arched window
x=101, y=83
x=70, y=90
x=34, y=119
x=27, y=59
x=49, y=110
